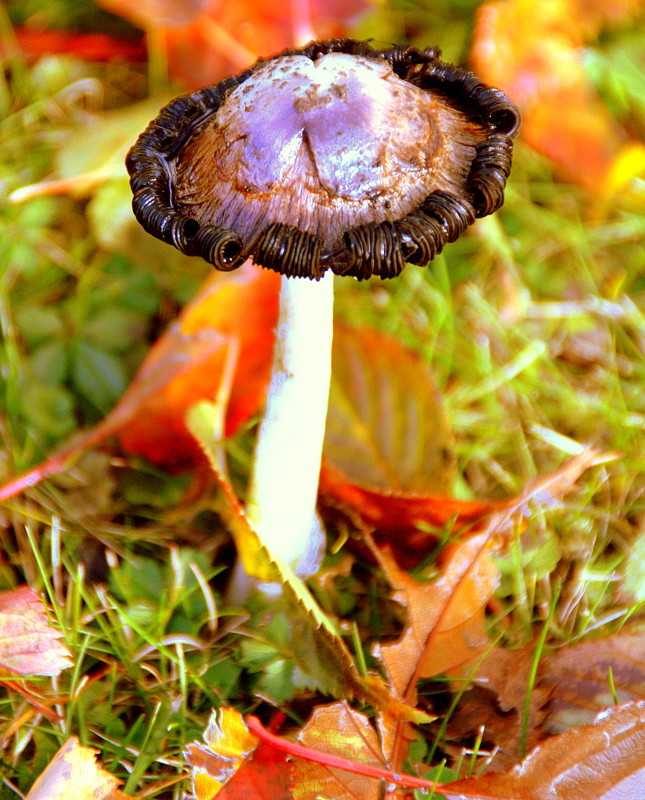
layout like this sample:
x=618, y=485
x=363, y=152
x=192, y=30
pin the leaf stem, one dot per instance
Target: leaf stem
x=336, y=762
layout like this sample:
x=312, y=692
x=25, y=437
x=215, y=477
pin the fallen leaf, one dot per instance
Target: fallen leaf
x=207, y=40
x=409, y=523
x=330, y=751
x=316, y=644
x=603, y=761
x=386, y=428
x=446, y=622
x=496, y=706
x=29, y=645
x=186, y=364
x=446, y=628
x=534, y=52
x=388, y=460
x=580, y=677
x=338, y=730
x=157, y=13
x=242, y=305
x=232, y=763
x=34, y=43
x=73, y=772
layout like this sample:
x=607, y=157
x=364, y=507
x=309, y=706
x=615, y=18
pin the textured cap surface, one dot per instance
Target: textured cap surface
x=336, y=157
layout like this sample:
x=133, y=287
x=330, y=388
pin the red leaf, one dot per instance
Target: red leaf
x=400, y=519
x=232, y=765
x=187, y=363
x=208, y=40
x=29, y=645
x=88, y=46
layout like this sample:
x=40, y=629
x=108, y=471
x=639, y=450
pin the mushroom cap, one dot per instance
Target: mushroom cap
x=335, y=156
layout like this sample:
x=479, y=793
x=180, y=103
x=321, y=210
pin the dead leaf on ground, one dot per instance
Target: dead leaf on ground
x=29, y=645
x=186, y=364
x=386, y=428
x=446, y=629
x=573, y=684
x=496, y=704
x=338, y=730
x=74, y=773
x=233, y=764
x=207, y=40
x=580, y=677
x=446, y=618
x=389, y=463
x=408, y=523
x=603, y=761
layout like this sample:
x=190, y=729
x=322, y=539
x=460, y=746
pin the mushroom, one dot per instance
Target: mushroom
x=335, y=158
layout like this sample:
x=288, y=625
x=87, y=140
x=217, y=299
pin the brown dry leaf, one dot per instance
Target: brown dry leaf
x=74, y=773
x=29, y=645
x=386, y=426
x=447, y=630
x=578, y=677
x=446, y=620
x=496, y=704
x=603, y=761
x=338, y=730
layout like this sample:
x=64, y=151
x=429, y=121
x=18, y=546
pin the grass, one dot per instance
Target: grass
x=533, y=324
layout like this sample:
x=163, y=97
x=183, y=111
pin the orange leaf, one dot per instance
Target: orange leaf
x=187, y=363
x=446, y=621
x=73, y=772
x=533, y=51
x=233, y=765
x=207, y=39
x=88, y=46
x=603, y=761
x=338, y=730
x=29, y=645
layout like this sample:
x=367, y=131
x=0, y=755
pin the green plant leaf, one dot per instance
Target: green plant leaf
x=98, y=375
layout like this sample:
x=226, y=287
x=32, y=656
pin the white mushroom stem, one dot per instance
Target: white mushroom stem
x=283, y=488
